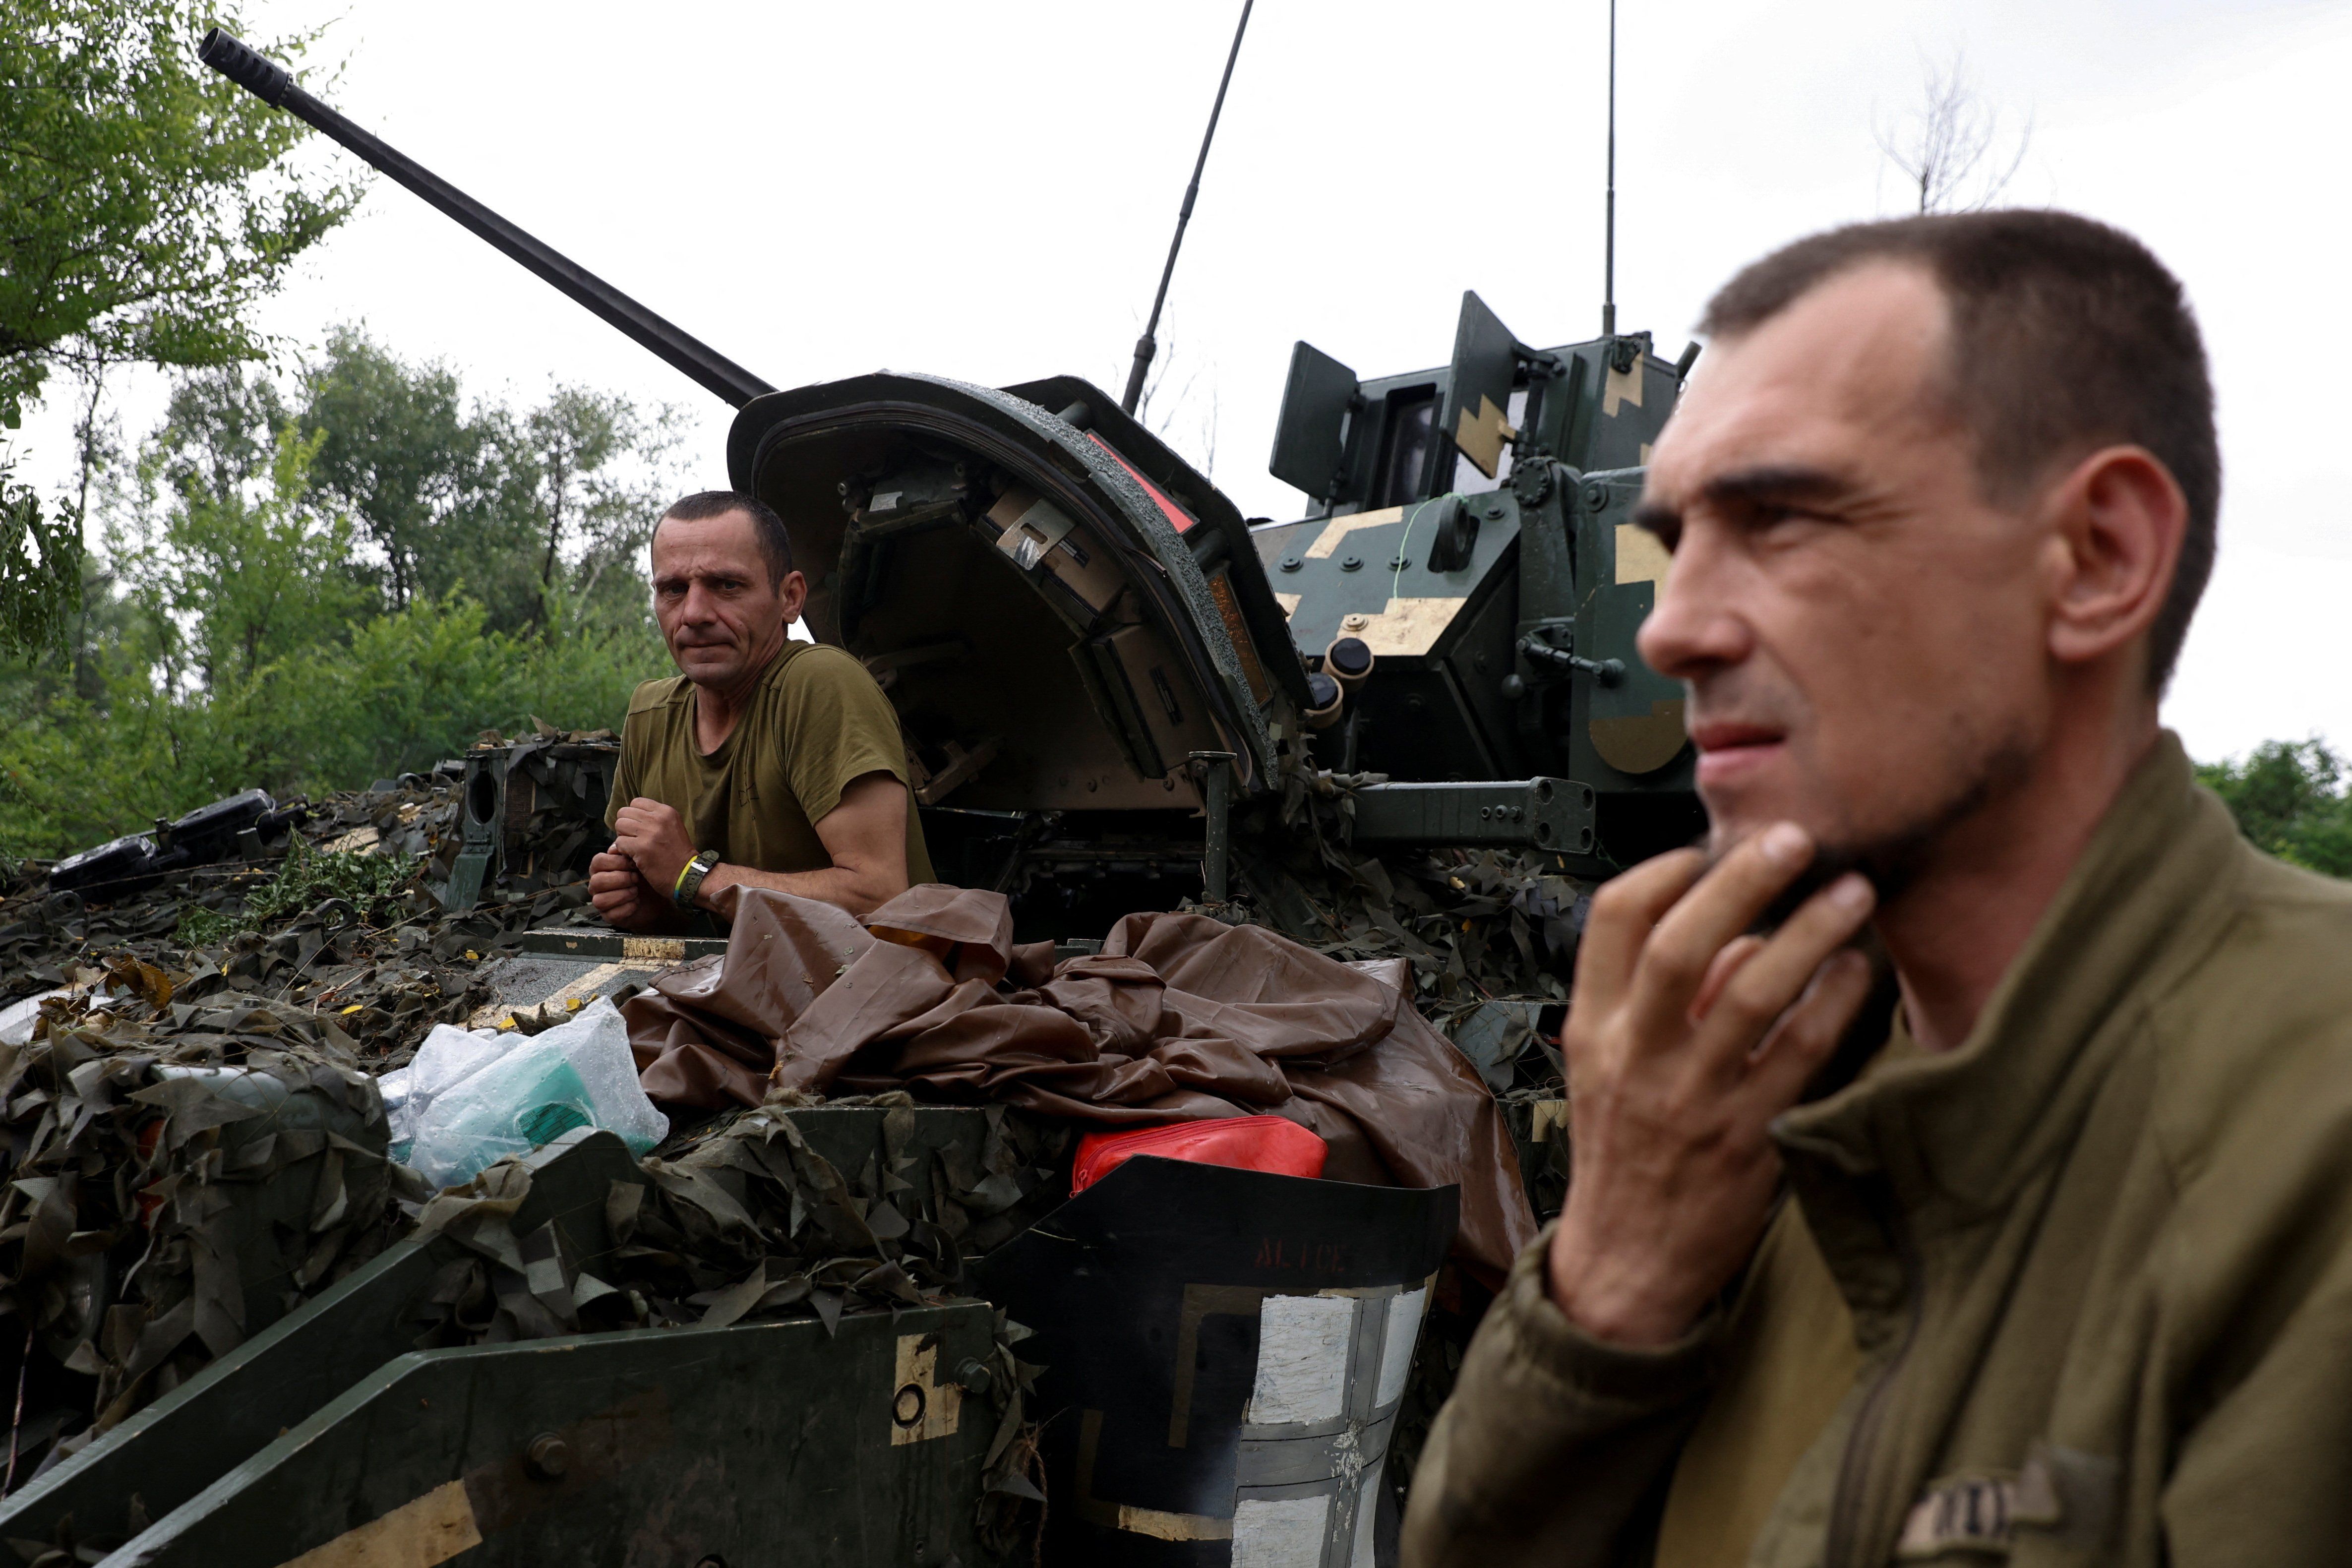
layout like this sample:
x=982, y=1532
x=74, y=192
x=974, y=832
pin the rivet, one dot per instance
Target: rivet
x=547, y=1457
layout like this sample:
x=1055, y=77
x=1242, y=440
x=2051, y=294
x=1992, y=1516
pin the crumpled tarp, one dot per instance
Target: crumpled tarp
x=1180, y=1018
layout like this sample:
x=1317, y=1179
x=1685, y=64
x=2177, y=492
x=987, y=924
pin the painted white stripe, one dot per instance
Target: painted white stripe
x=1302, y=1360
x=1396, y=1347
x=1367, y=1509
x=1280, y=1533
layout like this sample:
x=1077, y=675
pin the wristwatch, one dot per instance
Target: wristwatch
x=689, y=881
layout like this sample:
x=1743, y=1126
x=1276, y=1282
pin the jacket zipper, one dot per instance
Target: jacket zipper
x=1839, y=1544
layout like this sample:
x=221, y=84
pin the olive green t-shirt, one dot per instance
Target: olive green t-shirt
x=815, y=722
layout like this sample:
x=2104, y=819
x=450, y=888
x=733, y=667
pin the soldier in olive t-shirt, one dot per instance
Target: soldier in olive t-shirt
x=765, y=762
x=817, y=722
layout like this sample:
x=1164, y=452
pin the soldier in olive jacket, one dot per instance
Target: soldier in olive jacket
x=2053, y=1269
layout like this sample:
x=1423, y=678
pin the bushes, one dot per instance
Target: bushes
x=312, y=596
x=2292, y=798
x=404, y=690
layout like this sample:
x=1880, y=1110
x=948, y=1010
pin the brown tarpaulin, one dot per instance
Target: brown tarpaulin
x=1180, y=1018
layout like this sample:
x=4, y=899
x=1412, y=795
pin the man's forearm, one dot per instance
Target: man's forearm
x=859, y=890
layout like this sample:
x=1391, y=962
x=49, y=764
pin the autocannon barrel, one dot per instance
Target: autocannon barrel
x=271, y=83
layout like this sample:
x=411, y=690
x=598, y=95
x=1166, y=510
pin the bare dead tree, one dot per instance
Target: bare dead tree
x=1175, y=387
x=1948, y=148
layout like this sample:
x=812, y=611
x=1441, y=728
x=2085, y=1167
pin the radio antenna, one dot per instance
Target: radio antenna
x=1609, y=246
x=1148, y=345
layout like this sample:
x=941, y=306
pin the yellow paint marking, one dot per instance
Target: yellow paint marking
x=659, y=949
x=1289, y=602
x=1406, y=627
x=1641, y=557
x=1173, y=1526
x=1340, y=528
x=941, y=1403
x=1622, y=386
x=420, y=1534
x=580, y=990
x=1480, y=437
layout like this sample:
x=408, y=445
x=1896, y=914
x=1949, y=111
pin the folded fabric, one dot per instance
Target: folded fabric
x=1180, y=1018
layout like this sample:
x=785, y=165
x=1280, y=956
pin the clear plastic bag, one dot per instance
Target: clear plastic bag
x=469, y=1100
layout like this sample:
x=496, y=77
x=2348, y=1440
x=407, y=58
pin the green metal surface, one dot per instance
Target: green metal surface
x=611, y=946
x=753, y=1444
x=1463, y=538
x=1552, y=814
x=307, y=1361
x=166, y=1452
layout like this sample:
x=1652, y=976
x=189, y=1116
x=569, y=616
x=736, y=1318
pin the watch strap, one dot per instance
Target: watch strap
x=690, y=879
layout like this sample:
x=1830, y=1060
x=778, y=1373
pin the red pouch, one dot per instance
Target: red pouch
x=1268, y=1143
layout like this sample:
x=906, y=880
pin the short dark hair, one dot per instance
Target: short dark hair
x=775, y=545
x=2066, y=333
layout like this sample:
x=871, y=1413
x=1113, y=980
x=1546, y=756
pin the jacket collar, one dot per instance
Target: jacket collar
x=2153, y=887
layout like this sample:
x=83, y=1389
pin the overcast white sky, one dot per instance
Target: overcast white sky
x=985, y=191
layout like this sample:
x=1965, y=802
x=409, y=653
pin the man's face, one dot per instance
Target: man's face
x=1862, y=632
x=721, y=616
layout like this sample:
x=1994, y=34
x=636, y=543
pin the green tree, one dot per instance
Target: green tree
x=515, y=509
x=145, y=204
x=246, y=629
x=2293, y=798
x=586, y=454
x=423, y=476
x=233, y=586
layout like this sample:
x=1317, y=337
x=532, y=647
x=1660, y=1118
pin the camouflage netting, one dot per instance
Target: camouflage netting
x=144, y=1192
x=343, y=916
x=121, y=1240
x=743, y=1221
x=183, y=1173
x=1476, y=925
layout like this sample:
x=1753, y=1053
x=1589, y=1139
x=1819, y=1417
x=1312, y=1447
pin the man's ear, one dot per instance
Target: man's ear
x=792, y=595
x=2119, y=520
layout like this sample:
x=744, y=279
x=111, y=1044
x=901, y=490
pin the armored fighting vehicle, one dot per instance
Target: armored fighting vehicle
x=1092, y=651
x=1108, y=679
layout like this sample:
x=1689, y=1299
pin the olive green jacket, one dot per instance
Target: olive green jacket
x=2097, y=1261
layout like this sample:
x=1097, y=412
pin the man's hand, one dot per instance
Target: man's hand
x=654, y=836
x=1686, y=1038
x=626, y=900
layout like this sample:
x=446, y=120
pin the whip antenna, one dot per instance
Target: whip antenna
x=1609, y=246
x=1147, y=345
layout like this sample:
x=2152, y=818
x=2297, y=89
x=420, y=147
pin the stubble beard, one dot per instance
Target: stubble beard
x=1891, y=859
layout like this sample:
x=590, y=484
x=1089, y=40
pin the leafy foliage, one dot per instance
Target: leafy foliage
x=250, y=629
x=2293, y=798
x=41, y=569
x=372, y=885
x=149, y=204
